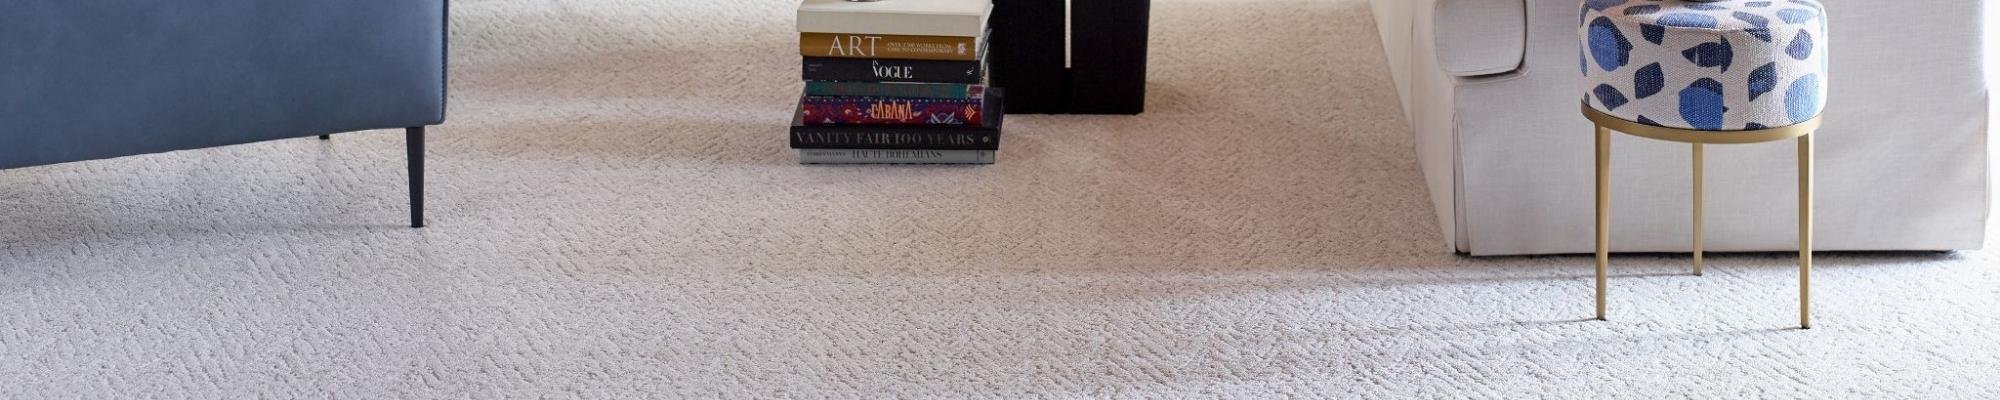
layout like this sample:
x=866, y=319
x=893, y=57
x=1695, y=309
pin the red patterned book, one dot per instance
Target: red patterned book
x=842, y=110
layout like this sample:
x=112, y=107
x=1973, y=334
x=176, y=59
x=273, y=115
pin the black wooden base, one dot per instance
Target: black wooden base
x=1107, y=67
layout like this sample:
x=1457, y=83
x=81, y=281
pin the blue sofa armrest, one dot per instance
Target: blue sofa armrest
x=90, y=79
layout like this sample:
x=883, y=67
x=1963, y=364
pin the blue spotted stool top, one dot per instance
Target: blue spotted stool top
x=1715, y=65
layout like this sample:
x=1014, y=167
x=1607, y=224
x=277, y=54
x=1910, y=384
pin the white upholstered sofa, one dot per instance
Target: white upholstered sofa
x=1490, y=89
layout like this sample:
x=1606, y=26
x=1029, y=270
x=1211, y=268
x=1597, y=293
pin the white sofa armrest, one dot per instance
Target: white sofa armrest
x=1459, y=38
x=1395, y=20
x=1426, y=92
x=1480, y=37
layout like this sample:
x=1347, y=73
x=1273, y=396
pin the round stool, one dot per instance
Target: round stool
x=1700, y=72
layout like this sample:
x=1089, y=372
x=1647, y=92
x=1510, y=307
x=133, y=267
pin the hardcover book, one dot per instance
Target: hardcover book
x=851, y=45
x=966, y=18
x=900, y=90
x=897, y=137
x=832, y=110
x=875, y=70
x=893, y=156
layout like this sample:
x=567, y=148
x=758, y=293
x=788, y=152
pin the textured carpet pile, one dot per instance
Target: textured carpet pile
x=615, y=215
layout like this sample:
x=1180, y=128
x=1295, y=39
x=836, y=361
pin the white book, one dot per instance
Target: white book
x=885, y=156
x=962, y=18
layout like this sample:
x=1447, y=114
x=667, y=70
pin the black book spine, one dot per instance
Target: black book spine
x=895, y=137
x=885, y=70
x=905, y=137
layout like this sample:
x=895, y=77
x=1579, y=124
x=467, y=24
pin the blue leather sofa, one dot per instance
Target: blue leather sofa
x=92, y=79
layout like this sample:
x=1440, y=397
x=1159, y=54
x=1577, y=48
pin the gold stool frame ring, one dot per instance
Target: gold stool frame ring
x=1801, y=131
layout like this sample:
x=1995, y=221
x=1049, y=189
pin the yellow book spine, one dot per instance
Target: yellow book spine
x=842, y=45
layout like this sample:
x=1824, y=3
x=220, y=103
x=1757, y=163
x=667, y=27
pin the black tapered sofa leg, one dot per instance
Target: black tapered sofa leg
x=415, y=138
x=325, y=137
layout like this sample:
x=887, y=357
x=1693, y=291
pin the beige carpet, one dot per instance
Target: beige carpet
x=615, y=215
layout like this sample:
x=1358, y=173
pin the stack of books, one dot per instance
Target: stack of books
x=896, y=82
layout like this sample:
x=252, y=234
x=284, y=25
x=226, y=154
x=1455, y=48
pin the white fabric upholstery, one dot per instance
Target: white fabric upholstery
x=1480, y=37
x=1901, y=162
x=1409, y=41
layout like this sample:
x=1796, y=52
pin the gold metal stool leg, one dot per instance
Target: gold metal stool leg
x=1802, y=131
x=1603, y=213
x=1805, y=230
x=1697, y=208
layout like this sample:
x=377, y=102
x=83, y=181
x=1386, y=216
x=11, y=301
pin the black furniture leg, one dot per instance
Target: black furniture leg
x=415, y=138
x=325, y=137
